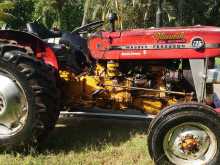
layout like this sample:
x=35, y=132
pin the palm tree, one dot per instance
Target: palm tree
x=131, y=13
x=86, y=10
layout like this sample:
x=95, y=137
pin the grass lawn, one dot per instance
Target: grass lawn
x=89, y=142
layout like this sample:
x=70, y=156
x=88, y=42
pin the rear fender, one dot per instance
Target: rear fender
x=40, y=48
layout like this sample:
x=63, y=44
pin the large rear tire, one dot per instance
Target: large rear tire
x=185, y=134
x=29, y=99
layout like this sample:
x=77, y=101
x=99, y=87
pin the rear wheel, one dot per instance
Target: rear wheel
x=185, y=134
x=28, y=100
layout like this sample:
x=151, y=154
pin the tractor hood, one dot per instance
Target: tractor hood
x=156, y=43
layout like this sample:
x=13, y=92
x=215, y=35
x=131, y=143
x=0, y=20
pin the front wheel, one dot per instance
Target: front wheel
x=185, y=134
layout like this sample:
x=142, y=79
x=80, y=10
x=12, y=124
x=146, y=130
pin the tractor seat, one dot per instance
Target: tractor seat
x=41, y=31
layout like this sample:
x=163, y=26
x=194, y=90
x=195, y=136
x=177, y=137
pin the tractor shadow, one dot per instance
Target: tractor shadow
x=79, y=135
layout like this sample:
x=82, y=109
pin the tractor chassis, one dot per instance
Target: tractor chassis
x=103, y=114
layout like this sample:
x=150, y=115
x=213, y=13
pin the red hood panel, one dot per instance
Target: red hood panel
x=163, y=43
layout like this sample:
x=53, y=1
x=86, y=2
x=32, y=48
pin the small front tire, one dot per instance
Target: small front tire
x=185, y=134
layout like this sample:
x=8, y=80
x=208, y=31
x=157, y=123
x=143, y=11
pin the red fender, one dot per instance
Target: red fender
x=41, y=49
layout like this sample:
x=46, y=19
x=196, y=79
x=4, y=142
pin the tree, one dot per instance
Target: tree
x=5, y=6
x=67, y=14
x=64, y=14
x=23, y=12
x=72, y=14
x=49, y=11
x=130, y=12
x=141, y=13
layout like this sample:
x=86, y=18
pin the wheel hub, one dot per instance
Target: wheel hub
x=13, y=105
x=190, y=143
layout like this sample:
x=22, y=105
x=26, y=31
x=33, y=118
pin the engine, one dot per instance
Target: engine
x=148, y=86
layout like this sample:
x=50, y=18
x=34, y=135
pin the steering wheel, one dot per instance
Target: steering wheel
x=88, y=27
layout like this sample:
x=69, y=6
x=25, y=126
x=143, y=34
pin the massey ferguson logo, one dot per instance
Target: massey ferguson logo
x=198, y=43
x=170, y=37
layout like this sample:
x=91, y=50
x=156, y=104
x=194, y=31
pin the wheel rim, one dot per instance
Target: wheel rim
x=13, y=105
x=190, y=143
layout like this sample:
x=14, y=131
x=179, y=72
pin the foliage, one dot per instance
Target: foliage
x=48, y=12
x=64, y=14
x=22, y=12
x=141, y=13
x=67, y=14
x=5, y=6
x=72, y=14
x=131, y=12
x=186, y=12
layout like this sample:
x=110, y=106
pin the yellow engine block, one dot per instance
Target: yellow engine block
x=102, y=90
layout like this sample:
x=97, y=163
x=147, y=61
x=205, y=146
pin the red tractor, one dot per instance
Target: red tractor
x=168, y=74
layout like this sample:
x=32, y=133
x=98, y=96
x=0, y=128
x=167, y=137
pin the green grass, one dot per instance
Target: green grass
x=217, y=61
x=89, y=142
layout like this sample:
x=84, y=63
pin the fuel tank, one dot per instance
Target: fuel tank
x=156, y=43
